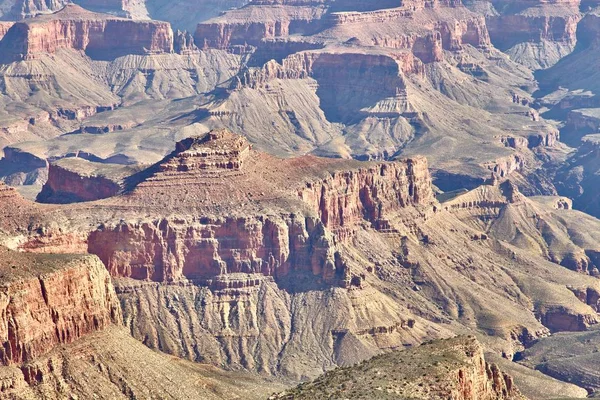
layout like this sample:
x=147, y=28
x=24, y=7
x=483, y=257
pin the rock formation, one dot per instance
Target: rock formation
x=458, y=365
x=537, y=34
x=75, y=179
x=50, y=300
x=99, y=35
x=290, y=264
x=253, y=249
x=267, y=244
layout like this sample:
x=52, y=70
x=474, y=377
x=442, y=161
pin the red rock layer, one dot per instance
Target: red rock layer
x=372, y=194
x=50, y=300
x=65, y=186
x=218, y=150
x=294, y=215
x=250, y=25
x=97, y=34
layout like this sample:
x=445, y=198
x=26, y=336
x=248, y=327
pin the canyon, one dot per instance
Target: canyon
x=248, y=196
x=253, y=254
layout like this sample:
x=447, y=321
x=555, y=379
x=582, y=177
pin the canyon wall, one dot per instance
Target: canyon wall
x=536, y=34
x=341, y=76
x=509, y=30
x=99, y=35
x=250, y=25
x=47, y=300
x=202, y=248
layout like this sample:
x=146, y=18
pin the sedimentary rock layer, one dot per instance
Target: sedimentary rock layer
x=47, y=300
x=272, y=243
x=99, y=35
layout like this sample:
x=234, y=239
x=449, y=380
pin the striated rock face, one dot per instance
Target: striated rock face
x=217, y=150
x=204, y=247
x=453, y=368
x=426, y=32
x=250, y=25
x=340, y=75
x=167, y=251
x=371, y=194
x=47, y=300
x=99, y=35
x=536, y=33
x=248, y=321
x=507, y=31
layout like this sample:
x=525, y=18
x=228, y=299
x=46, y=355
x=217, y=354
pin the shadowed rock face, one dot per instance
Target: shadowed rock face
x=99, y=35
x=536, y=34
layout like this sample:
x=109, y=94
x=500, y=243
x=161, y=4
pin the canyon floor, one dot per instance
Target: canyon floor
x=367, y=199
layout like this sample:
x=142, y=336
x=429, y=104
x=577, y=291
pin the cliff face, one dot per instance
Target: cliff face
x=250, y=25
x=64, y=186
x=167, y=251
x=99, y=35
x=537, y=34
x=254, y=24
x=346, y=198
x=341, y=76
x=75, y=179
x=449, y=32
x=506, y=31
x=50, y=300
x=205, y=247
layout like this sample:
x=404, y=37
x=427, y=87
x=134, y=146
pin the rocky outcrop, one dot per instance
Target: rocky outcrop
x=99, y=35
x=562, y=320
x=76, y=179
x=459, y=372
x=508, y=30
x=505, y=166
x=427, y=40
x=49, y=300
x=579, y=123
x=168, y=251
x=184, y=43
x=374, y=194
x=217, y=150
